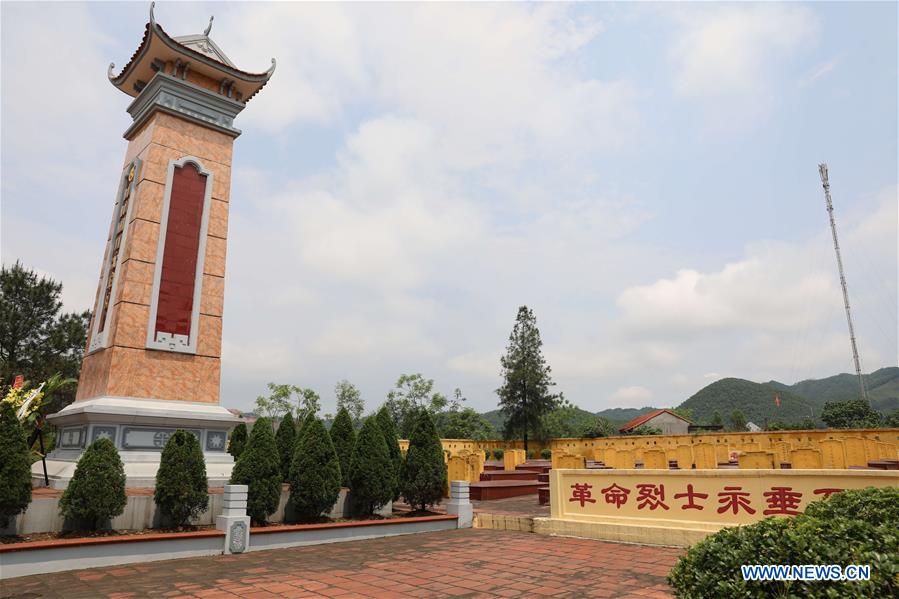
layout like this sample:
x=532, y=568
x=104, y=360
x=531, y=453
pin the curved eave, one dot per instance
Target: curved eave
x=156, y=43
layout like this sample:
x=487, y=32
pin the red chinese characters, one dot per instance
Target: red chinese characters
x=651, y=496
x=782, y=500
x=734, y=499
x=826, y=492
x=616, y=495
x=691, y=495
x=581, y=492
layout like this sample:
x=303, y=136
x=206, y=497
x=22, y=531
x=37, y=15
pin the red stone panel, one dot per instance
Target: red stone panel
x=181, y=250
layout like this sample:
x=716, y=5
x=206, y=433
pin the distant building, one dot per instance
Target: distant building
x=667, y=421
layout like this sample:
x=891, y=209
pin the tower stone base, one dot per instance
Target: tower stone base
x=139, y=428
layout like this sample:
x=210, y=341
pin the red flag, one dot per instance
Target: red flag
x=777, y=400
x=20, y=380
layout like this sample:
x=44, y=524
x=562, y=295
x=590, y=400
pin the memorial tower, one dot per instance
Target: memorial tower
x=152, y=361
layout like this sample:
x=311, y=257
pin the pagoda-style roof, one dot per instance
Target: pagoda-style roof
x=198, y=52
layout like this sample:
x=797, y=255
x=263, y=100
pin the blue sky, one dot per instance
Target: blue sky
x=643, y=175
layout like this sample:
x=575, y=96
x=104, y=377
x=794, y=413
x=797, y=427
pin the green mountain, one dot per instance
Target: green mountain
x=624, y=415
x=495, y=418
x=755, y=400
x=882, y=385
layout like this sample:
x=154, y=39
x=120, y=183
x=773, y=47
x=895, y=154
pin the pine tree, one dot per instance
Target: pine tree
x=259, y=467
x=286, y=439
x=371, y=478
x=423, y=480
x=738, y=421
x=393, y=446
x=716, y=419
x=315, y=473
x=343, y=436
x=524, y=397
x=238, y=440
x=96, y=492
x=15, y=466
x=182, y=490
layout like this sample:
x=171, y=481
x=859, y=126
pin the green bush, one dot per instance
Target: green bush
x=238, y=440
x=498, y=454
x=393, y=447
x=372, y=480
x=96, y=492
x=286, y=440
x=259, y=467
x=423, y=479
x=531, y=454
x=343, y=436
x=15, y=466
x=830, y=532
x=546, y=454
x=314, y=473
x=182, y=491
x=487, y=454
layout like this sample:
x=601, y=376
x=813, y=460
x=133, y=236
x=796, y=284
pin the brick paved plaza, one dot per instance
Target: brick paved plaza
x=463, y=563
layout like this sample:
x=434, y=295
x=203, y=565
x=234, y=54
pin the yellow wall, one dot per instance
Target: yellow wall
x=588, y=497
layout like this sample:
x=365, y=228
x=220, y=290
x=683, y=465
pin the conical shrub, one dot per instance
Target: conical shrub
x=423, y=479
x=15, y=466
x=259, y=467
x=286, y=437
x=96, y=492
x=238, y=440
x=182, y=490
x=372, y=478
x=343, y=436
x=314, y=473
x=385, y=421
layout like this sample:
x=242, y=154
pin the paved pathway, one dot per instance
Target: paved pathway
x=462, y=563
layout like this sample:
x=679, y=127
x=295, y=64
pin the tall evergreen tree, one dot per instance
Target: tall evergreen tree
x=371, y=478
x=182, y=490
x=385, y=421
x=96, y=492
x=738, y=420
x=286, y=439
x=423, y=479
x=717, y=420
x=315, y=472
x=343, y=436
x=524, y=396
x=15, y=466
x=238, y=440
x=259, y=467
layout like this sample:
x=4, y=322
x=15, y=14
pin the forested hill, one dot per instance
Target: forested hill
x=882, y=385
x=624, y=414
x=755, y=400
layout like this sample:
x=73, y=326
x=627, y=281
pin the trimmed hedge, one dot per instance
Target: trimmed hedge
x=423, y=480
x=343, y=436
x=15, y=466
x=259, y=467
x=372, y=480
x=314, y=473
x=385, y=421
x=96, y=492
x=546, y=454
x=852, y=527
x=286, y=438
x=498, y=454
x=182, y=490
x=238, y=440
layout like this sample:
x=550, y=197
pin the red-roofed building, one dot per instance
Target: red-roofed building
x=669, y=422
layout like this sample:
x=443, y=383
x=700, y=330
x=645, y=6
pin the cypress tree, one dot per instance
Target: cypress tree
x=259, y=467
x=238, y=440
x=15, y=466
x=286, y=438
x=182, y=490
x=371, y=478
x=393, y=446
x=96, y=492
x=423, y=480
x=343, y=436
x=315, y=472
